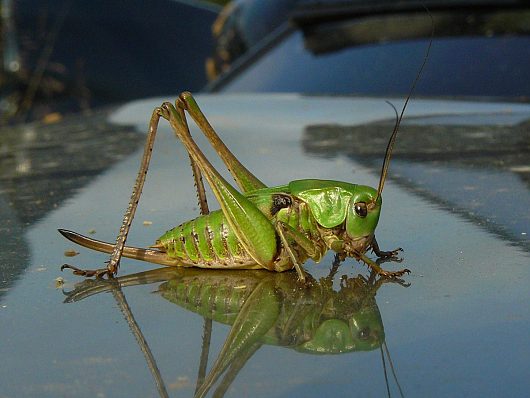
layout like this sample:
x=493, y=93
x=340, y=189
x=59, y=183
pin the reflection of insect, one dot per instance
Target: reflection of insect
x=262, y=309
x=276, y=228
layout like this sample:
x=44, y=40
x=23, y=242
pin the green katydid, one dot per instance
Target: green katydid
x=262, y=308
x=267, y=309
x=275, y=228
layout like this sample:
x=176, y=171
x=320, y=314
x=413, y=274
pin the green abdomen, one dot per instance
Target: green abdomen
x=210, y=242
x=207, y=241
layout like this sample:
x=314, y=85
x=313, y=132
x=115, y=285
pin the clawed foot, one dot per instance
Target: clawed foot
x=395, y=276
x=89, y=273
x=382, y=260
x=388, y=255
x=385, y=256
x=392, y=254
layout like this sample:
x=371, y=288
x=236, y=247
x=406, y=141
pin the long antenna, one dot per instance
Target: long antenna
x=384, y=371
x=390, y=146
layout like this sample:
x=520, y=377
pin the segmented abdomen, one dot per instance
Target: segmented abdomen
x=207, y=241
x=219, y=297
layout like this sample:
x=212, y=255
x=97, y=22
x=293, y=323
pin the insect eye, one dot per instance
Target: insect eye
x=364, y=334
x=360, y=209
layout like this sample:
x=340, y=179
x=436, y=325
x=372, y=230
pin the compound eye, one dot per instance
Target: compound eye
x=360, y=209
x=364, y=334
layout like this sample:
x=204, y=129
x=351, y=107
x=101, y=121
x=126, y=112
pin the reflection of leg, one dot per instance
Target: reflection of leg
x=334, y=266
x=256, y=317
x=205, y=350
x=142, y=342
x=234, y=369
x=90, y=287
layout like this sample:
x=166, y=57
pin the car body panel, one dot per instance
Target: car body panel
x=459, y=328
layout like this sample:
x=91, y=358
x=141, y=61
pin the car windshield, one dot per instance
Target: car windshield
x=474, y=54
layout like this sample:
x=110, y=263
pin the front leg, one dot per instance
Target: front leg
x=391, y=255
x=380, y=271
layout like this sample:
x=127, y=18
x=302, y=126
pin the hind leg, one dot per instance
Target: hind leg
x=117, y=251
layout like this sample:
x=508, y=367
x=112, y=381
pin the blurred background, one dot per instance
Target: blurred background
x=64, y=56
